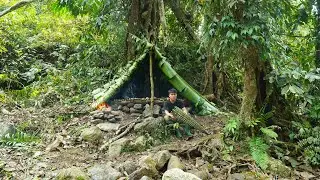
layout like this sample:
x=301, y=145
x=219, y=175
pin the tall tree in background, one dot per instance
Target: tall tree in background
x=143, y=21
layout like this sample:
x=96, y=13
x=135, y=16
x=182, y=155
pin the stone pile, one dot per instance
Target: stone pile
x=102, y=116
x=140, y=109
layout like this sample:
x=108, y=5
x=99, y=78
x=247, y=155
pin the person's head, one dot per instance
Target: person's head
x=172, y=95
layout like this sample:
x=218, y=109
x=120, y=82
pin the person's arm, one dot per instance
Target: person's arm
x=166, y=110
x=182, y=106
x=169, y=114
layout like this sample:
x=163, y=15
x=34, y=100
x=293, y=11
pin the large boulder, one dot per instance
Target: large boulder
x=149, y=124
x=174, y=162
x=140, y=143
x=278, y=167
x=203, y=174
x=161, y=158
x=149, y=113
x=72, y=173
x=147, y=168
x=127, y=167
x=108, y=126
x=92, y=134
x=103, y=172
x=178, y=174
x=6, y=128
x=116, y=147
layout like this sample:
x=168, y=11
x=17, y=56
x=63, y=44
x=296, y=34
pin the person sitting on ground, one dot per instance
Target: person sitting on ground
x=169, y=117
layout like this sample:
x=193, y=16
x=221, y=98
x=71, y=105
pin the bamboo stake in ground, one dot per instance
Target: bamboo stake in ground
x=151, y=81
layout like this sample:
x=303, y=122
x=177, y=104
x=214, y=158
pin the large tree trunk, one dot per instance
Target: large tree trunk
x=250, y=89
x=208, y=85
x=134, y=27
x=317, y=29
x=143, y=22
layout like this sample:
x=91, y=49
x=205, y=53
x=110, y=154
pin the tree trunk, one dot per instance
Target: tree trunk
x=143, y=22
x=208, y=86
x=250, y=89
x=134, y=27
x=317, y=29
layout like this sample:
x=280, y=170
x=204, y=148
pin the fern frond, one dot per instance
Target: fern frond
x=258, y=149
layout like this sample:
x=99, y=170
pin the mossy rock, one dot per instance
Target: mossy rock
x=277, y=167
x=73, y=173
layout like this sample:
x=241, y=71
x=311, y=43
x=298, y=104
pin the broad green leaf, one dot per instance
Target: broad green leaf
x=285, y=89
x=295, y=89
x=234, y=36
x=269, y=132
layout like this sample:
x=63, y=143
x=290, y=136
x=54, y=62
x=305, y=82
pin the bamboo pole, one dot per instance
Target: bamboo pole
x=151, y=81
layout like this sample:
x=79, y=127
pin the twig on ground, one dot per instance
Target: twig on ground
x=129, y=127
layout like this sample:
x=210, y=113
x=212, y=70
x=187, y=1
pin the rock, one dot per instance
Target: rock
x=236, y=176
x=149, y=124
x=147, y=168
x=161, y=158
x=178, y=174
x=145, y=178
x=130, y=105
x=147, y=111
x=116, y=147
x=126, y=109
x=140, y=143
x=108, y=126
x=118, y=118
x=135, y=114
x=138, y=106
x=119, y=107
x=128, y=167
x=96, y=121
x=304, y=175
x=6, y=128
x=204, y=175
x=106, y=110
x=156, y=110
x=103, y=172
x=72, y=173
x=112, y=120
x=174, y=162
x=92, y=134
x=99, y=115
x=111, y=116
x=277, y=167
x=133, y=110
x=55, y=144
x=105, y=116
x=95, y=112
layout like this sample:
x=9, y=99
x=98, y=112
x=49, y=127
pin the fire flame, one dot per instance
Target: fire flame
x=103, y=105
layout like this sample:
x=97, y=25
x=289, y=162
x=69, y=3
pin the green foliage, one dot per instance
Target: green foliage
x=232, y=128
x=18, y=139
x=308, y=142
x=269, y=132
x=258, y=150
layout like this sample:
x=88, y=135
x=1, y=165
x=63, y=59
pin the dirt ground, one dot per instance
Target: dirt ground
x=37, y=162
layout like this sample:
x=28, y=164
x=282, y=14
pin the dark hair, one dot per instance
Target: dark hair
x=172, y=90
